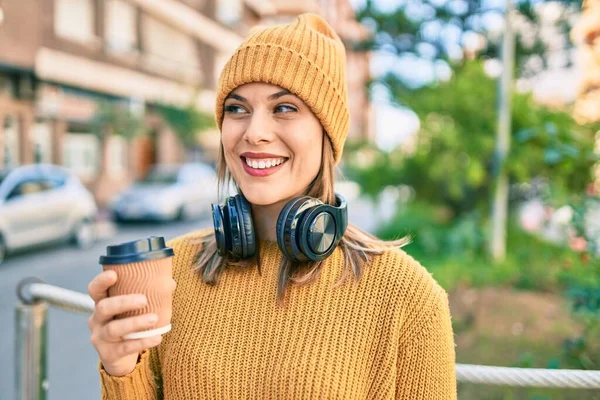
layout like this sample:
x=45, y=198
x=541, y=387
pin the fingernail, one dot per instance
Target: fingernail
x=152, y=318
x=140, y=300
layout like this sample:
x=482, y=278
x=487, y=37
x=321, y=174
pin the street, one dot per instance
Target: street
x=72, y=361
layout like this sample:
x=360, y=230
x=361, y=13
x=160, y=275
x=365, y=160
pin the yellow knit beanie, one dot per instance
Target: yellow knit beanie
x=305, y=57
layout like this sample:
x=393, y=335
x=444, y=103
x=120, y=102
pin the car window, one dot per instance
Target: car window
x=56, y=180
x=30, y=187
x=3, y=175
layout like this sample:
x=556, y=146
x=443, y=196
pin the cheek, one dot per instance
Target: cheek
x=227, y=136
x=230, y=138
x=308, y=153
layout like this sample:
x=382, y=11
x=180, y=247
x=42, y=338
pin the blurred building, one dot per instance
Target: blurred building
x=61, y=59
x=587, y=35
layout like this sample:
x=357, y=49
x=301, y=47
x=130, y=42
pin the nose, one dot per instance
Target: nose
x=259, y=129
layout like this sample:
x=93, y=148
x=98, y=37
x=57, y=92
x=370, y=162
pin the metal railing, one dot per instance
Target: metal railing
x=32, y=348
x=31, y=325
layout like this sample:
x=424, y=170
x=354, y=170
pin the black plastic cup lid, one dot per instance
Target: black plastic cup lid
x=152, y=248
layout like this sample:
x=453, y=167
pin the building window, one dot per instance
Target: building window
x=11, y=142
x=120, y=26
x=82, y=154
x=74, y=20
x=42, y=132
x=8, y=86
x=169, y=51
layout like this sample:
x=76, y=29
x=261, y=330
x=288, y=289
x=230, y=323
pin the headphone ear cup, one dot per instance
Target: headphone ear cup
x=234, y=223
x=319, y=233
x=247, y=227
x=285, y=240
x=220, y=230
x=288, y=227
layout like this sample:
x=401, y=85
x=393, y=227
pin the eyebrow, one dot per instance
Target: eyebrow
x=274, y=96
x=236, y=97
x=277, y=95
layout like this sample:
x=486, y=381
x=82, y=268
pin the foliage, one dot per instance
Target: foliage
x=186, y=122
x=451, y=163
x=117, y=118
x=449, y=249
x=582, y=350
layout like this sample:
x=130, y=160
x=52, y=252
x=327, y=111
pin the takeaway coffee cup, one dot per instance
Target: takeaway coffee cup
x=143, y=266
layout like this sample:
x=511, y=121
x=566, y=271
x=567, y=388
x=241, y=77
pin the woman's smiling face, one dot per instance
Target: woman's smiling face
x=272, y=142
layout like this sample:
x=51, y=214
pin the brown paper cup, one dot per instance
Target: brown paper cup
x=145, y=267
x=152, y=279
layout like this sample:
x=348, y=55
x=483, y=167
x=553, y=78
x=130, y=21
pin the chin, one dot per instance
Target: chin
x=262, y=197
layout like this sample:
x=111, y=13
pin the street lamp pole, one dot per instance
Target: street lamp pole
x=500, y=200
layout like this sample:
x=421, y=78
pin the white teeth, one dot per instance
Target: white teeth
x=264, y=163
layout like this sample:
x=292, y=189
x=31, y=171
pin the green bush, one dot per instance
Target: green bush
x=451, y=249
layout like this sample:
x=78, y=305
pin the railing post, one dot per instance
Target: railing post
x=31, y=351
x=31, y=344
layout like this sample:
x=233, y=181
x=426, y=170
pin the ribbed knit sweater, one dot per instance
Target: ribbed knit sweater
x=385, y=336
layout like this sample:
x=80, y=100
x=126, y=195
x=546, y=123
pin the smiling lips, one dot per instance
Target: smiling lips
x=261, y=164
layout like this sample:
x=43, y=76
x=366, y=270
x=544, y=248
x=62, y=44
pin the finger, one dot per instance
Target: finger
x=115, y=330
x=128, y=347
x=107, y=308
x=98, y=287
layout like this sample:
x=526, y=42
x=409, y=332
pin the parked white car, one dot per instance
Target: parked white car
x=167, y=193
x=43, y=203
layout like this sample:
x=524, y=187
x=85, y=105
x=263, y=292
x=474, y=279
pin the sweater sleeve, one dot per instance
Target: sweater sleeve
x=143, y=383
x=426, y=369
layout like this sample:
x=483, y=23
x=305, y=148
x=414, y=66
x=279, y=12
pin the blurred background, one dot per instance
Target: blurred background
x=474, y=130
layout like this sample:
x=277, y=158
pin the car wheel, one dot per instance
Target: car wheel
x=3, y=250
x=84, y=234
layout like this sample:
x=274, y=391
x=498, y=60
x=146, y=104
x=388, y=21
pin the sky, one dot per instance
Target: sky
x=395, y=125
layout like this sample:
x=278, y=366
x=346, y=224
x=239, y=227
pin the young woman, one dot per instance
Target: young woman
x=283, y=299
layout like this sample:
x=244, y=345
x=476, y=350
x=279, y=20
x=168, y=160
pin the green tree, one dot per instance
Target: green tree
x=118, y=119
x=187, y=122
x=452, y=160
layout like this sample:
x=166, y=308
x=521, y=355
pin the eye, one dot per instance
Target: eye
x=285, y=108
x=234, y=109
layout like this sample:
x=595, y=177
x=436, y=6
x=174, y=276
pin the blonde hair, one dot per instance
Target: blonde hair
x=358, y=246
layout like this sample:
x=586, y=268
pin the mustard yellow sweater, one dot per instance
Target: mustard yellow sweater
x=387, y=336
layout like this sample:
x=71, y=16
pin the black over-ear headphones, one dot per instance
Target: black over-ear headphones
x=307, y=229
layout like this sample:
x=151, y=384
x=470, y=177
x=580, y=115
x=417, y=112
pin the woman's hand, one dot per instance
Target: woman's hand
x=118, y=356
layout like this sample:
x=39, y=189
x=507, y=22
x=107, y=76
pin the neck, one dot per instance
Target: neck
x=265, y=220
